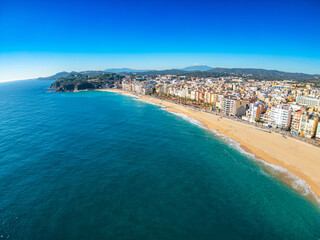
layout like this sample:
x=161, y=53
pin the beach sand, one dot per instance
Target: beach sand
x=298, y=158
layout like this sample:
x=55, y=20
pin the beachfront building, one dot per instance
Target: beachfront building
x=207, y=97
x=255, y=109
x=162, y=89
x=318, y=132
x=266, y=116
x=193, y=95
x=295, y=122
x=214, y=98
x=308, y=125
x=308, y=101
x=280, y=117
x=147, y=89
x=137, y=87
x=233, y=107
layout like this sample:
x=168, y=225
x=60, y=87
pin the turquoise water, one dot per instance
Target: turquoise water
x=98, y=165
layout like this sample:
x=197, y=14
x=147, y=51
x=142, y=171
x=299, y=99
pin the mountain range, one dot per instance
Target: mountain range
x=203, y=70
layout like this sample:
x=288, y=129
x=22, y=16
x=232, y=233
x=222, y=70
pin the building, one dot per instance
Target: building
x=255, y=109
x=308, y=125
x=318, y=132
x=295, y=122
x=280, y=117
x=233, y=107
x=214, y=98
x=308, y=101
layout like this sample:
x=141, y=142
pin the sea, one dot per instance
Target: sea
x=100, y=165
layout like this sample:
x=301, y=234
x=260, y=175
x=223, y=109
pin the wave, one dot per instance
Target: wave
x=155, y=104
x=129, y=95
x=189, y=119
x=296, y=183
x=281, y=173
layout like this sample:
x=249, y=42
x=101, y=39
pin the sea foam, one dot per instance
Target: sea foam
x=155, y=104
x=130, y=95
x=189, y=119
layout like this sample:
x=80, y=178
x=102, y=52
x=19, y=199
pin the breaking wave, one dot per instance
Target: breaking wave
x=130, y=95
x=155, y=104
x=189, y=119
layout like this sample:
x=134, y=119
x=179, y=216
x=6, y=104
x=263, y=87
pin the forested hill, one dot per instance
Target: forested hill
x=267, y=74
x=248, y=73
x=77, y=81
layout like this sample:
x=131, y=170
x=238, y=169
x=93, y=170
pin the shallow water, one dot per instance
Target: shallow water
x=99, y=165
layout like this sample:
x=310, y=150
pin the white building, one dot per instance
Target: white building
x=255, y=110
x=309, y=101
x=280, y=116
x=193, y=95
x=318, y=132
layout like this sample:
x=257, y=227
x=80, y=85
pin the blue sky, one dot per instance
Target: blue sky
x=39, y=38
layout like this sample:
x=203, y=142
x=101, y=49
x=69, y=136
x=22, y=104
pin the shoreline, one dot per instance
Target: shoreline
x=298, y=158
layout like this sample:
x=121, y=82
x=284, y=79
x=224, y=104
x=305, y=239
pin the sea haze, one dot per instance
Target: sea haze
x=99, y=165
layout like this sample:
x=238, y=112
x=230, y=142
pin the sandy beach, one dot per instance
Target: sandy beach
x=298, y=158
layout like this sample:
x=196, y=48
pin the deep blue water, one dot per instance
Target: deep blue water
x=98, y=165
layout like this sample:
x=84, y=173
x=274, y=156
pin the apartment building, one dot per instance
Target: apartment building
x=280, y=116
x=295, y=122
x=308, y=125
x=308, y=101
x=233, y=107
x=318, y=132
x=255, y=109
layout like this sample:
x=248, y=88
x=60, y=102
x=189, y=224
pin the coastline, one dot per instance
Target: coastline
x=296, y=157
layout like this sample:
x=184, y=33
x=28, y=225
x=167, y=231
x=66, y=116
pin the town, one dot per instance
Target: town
x=289, y=107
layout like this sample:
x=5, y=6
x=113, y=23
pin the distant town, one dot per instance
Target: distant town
x=289, y=106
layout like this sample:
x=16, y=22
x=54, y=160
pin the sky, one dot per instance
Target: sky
x=40, y=38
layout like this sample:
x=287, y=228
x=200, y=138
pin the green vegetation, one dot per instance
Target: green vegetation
x=196, y=74
x=77, y=81
x=263, y=74
x=246, y=73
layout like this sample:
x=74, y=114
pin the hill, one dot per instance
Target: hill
x=55, y=76
x=78, y=81
x=261, y=74
x=65, y=74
